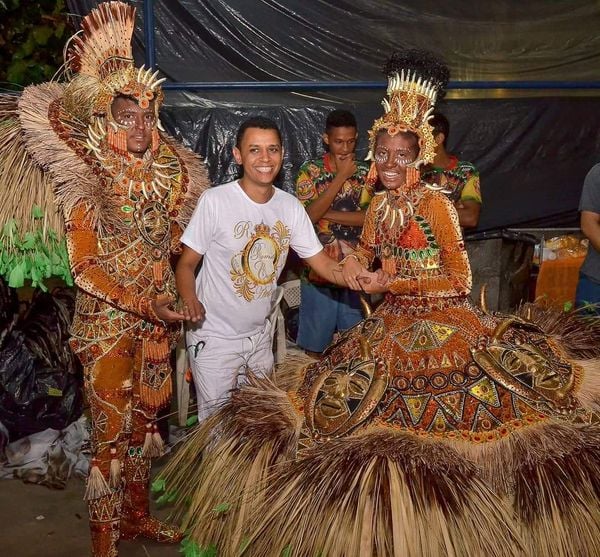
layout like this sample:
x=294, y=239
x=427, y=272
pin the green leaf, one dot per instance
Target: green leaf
x=287, y=551
x=190, y=548
x=209, y=551
x=28, y=241
x=41, y=34
x=60, y=30
x=158, y=486
x=35, y=275
x=192, y=420
x=16, y=278
x=37, y=212
x=222, y=508
x=166, y=498
x=244, y=545
x=567, y=306
x=171, y=496
x=10, y=228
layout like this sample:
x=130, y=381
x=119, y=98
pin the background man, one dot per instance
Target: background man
x=242, y=232
x=334, y=193
x=588, y=287
x=459, y=178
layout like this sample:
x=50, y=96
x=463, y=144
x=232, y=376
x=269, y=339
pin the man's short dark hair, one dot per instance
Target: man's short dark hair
x=256, y=122
x=340, y=119
x=440, y=124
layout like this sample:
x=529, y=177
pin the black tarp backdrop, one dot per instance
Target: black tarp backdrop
x=533, y=153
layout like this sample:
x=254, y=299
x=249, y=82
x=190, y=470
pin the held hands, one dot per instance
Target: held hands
x=358, y=278
x=192, y=309
x=374, y=282
x=351, y=270
x=162, y=306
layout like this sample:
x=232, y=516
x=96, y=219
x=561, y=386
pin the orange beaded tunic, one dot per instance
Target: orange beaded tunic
x=123, y=223
x=427, y=360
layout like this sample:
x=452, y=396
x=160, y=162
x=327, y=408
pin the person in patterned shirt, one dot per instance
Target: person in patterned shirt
x=334, y=193
x=460, y=179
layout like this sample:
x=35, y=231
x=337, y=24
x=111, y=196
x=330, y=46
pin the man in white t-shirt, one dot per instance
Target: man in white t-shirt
x=242, y=232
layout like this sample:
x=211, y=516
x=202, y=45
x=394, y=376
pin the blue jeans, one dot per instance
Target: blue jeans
x=323, y=311
x=588, y=295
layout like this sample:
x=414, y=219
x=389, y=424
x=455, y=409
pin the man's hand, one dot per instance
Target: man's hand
x=351, y=270
x=192, y=309
x=163, y=310
x=345, y=165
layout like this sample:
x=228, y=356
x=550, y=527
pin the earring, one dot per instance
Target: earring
x=155, y=140
x=117, y=140
x=371, y=175
x=413, y=175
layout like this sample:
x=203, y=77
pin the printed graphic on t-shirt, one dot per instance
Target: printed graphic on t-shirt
x=254, y=269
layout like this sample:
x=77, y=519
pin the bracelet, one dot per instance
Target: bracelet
x=351, y=255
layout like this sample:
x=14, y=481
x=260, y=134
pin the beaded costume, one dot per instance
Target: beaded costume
x=431, y=428
x=123, y=218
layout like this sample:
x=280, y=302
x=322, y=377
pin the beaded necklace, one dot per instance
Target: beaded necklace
x=395, y=209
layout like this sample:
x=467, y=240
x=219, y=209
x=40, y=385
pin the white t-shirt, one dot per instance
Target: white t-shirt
x=245, y=245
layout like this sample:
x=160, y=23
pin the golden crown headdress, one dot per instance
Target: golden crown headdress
x=101, y=57
x=415, y=80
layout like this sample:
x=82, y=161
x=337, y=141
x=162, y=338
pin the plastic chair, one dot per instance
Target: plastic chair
x=291, y=296
x=181, y=383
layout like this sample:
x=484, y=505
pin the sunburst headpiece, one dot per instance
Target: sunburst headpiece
x=101, y=57
x=416, y=79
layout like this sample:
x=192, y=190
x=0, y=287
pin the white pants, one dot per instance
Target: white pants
x=219, y=365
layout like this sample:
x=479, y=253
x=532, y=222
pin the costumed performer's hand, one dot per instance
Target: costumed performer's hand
x=383, y=278
x=192, y=309
x=162, y=306
x=351, y=270
x=374, y=282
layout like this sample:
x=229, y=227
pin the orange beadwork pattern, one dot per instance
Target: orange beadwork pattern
x=431, y=340
x=120, y=271
x=414, y=237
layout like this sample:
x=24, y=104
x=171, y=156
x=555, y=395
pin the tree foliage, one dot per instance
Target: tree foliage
x=32, y=36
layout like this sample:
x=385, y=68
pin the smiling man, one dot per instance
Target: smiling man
x=242, y=232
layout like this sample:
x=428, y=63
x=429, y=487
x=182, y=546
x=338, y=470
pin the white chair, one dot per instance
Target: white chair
x=181, y=383
x=291, y=296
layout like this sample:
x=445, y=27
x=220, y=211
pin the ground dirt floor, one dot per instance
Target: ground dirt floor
x=39, y=522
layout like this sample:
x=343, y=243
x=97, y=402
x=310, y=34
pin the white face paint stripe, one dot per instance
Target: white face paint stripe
x=382, y=157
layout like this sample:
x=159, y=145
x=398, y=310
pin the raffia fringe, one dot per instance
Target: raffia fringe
x=382, y=492
x=96, y=485
x=154, y=446
x=155, y=399
x=114, y=477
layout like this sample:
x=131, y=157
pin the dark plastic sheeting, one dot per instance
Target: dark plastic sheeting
x=532, y=153
x=220, y=40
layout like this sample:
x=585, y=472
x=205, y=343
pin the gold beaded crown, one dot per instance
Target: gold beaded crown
x=411, y=95
x=101, y=57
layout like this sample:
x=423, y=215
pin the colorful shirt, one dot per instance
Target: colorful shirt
x=460, y=179
x=314, y=177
